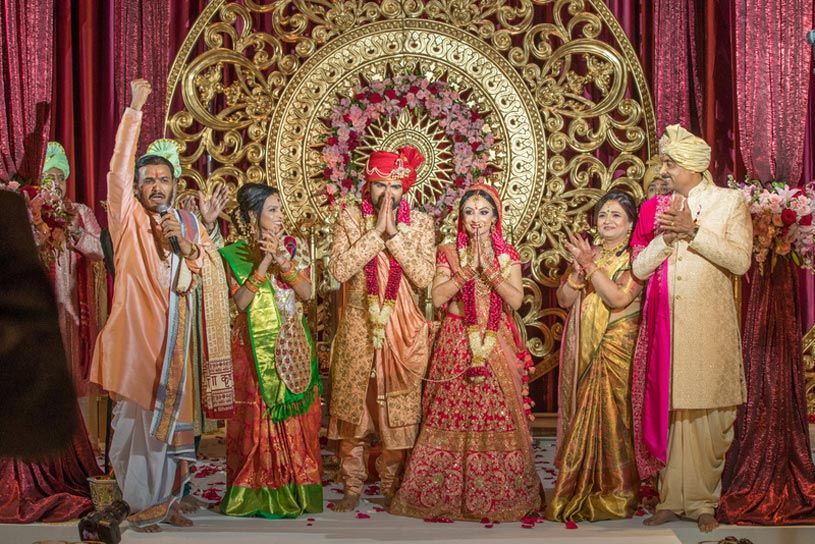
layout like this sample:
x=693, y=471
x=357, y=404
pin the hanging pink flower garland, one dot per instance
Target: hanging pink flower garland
x=472, y=138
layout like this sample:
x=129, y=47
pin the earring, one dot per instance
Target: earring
x=492, y=227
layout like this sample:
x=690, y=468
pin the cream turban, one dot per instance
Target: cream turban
x=686, y=150
x=651, y=170
x=55, y=157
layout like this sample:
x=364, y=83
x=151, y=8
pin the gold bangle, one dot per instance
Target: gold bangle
x=574, y=285
x=592, y=271
x=193, y=254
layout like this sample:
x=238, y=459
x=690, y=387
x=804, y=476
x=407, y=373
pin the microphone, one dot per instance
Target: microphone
x=162, y=210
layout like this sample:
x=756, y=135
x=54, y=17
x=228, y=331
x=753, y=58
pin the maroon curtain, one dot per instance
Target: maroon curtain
x=99, y=47
x=26, y=58
x=769, y=476
x=675, y=85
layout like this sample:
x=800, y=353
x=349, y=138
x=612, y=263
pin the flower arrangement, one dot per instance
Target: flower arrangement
x=472, y=138
x=50, y=215
x=782, y=221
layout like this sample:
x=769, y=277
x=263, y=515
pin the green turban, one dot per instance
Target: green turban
x=688, y=151
x=166, y=149
x=55, y=157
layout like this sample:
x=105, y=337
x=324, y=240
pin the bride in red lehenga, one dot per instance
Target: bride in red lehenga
x=473, y=457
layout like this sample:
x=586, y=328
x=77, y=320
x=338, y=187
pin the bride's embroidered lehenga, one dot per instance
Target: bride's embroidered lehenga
x=473, y=457
x=597, y=476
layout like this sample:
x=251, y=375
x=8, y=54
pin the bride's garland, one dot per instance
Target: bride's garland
x=379, y=315
x=482, y=346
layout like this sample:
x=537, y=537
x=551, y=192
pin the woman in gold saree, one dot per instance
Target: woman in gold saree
x=473, y=457
x=598, y=476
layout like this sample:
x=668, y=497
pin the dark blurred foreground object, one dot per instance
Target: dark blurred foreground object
x=37, y=400
x=103, y=525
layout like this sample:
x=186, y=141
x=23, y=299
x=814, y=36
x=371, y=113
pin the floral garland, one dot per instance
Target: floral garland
x=782, y=221
x=50, y=216
x=388, y=97
x=379, y=315
x=481, y=346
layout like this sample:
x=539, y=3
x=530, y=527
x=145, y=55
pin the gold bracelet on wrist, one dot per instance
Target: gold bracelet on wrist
x=574, y=285
x=592, y=271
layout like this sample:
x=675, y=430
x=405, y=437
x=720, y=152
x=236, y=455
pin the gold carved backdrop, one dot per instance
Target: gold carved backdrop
x=556, y=82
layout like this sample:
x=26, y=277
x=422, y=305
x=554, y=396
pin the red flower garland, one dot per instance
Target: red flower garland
x=380, y=315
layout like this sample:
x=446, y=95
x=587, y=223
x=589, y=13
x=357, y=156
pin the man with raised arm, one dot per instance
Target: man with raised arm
x=143, y=355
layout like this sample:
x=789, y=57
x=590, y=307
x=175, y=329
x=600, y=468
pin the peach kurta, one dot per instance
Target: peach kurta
x=130, y=349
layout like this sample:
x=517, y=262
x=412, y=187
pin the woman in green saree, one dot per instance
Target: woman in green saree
x=273, y=450
x=598, y=476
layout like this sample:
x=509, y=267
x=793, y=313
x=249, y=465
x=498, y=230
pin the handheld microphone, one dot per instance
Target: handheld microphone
x=162, y=210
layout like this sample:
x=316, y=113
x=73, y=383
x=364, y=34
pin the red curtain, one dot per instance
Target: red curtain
x=772, y=57
x=26, y=58
x=99, y=47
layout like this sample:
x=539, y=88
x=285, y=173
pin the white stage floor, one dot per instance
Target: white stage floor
x=370, y=523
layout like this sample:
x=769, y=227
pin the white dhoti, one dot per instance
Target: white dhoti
x=146, y=471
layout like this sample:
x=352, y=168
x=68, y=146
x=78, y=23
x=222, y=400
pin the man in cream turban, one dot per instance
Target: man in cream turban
x=382, y=252
x=145, y=354
x=688, y=377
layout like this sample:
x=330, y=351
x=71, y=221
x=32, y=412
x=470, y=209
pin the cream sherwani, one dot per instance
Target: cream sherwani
x=707, y=376
x=378, y=391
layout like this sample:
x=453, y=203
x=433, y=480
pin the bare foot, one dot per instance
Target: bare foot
x=146, y=529
x=661, y=516
x=388, y=501
x=175, y=517
x=707, y=523
x=347, y=503
x=189, y=504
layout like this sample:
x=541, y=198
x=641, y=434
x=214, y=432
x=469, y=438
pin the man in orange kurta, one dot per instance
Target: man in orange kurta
x=382, y=252
x=142, y=354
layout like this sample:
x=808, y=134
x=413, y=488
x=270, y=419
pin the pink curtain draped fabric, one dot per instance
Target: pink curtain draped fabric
x=676, y=86
x=772, y=58
x=143, y=51
x=26, y=55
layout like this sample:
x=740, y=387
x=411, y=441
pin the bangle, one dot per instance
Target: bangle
x=290, y=276
x=297, y=279
x=592, y=271
x=251, y=287
x=259, y=278
x=574, y=285
x=193, y=254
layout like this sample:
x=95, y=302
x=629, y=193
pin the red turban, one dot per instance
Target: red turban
x=386, y=166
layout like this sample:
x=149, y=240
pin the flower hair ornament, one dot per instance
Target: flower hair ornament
x=167, y=149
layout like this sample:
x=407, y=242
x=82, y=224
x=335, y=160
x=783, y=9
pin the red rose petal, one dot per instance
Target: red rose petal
x=526, y=526
x=485, y=520
x=571, y=525
x=362, y=515
x=488, y=526
x=330, y=505
x=640, y=512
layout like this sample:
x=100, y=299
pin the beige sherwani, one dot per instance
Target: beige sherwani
x=707, y=376
x=378, y=391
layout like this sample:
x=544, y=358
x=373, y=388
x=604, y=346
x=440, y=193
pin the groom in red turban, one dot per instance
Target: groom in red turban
x=382, y=252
